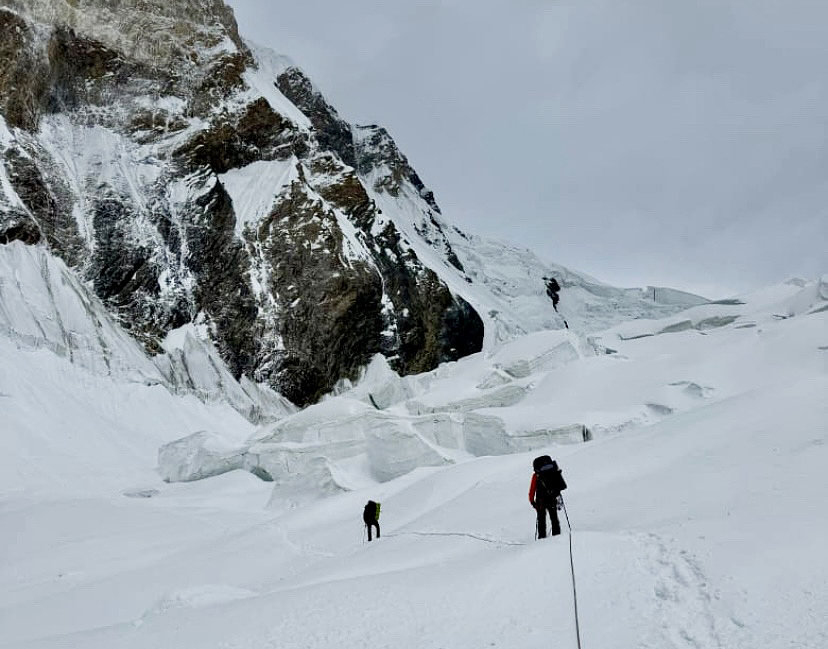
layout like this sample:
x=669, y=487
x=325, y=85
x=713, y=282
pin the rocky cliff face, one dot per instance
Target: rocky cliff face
x=190, y=178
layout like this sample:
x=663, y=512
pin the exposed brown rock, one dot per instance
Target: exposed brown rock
x=84, y=72
x=331, y=326
x=258, y=133
x=220, y=266
x=22, y=73
x=348, y=194
x=332, y=133
x=49, y=204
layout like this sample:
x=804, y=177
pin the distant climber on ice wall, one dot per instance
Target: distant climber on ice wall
x=552, y=290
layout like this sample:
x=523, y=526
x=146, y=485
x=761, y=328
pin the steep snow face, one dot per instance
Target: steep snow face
x=44, y=307
x=261, y=82
x=509, y=286
x=66, y=430
x=254, y=189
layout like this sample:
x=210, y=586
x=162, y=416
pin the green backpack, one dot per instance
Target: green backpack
x=371, y=511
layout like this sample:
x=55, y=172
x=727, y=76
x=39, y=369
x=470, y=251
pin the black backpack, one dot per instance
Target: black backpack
x=550, y=481
x=371, y=512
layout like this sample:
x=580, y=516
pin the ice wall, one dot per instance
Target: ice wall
x=535, y=392
x=387, y=426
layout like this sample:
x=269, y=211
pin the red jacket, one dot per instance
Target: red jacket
x=532, y=489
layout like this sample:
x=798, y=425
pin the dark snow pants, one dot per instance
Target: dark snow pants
x=369, y=525
x=542, y=508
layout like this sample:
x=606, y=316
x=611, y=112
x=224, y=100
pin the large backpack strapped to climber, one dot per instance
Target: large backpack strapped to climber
x=550, y=482
x=371, y=513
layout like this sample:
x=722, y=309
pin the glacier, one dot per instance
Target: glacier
x=695, y=504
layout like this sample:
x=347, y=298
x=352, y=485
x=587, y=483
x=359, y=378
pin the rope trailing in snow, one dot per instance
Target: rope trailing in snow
x=572, y=572
x=461, y=534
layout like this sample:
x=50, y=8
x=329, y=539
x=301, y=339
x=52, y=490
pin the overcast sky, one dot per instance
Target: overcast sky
x=669, y=142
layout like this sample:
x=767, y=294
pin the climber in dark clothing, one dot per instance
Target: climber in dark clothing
x=552, y=290
x=545, y=492
x=371, y=517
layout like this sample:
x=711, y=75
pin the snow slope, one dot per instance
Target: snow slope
x=505, y=283
x=66, y=430
x=697, y=510
x=43, y=306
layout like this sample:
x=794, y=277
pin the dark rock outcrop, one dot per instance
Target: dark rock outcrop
x=23, y=76
x=334, y=321
x=18, y=226
x=130, y=182
x=47, y=201
x=332, y=132
x=232, y=141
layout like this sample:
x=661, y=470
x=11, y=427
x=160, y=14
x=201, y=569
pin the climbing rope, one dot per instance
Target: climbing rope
x=460, y=534
x=572, y=572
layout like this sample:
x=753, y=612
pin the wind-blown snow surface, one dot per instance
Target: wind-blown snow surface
x=697, y=511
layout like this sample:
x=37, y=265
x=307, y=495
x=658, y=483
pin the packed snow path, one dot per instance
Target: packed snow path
x=306, y=579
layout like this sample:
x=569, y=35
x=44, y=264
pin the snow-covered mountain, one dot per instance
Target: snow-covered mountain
x=189, y=234
x=192, y=179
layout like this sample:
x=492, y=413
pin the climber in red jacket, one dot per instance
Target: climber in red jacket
x=544, y=493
